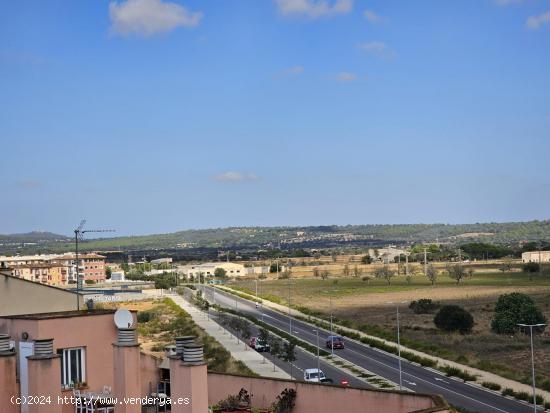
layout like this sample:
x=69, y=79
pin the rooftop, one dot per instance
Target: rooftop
x=60, y=314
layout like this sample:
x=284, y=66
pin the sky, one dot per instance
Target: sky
x=152, y=116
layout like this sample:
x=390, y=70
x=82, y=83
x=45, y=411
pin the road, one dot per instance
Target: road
x=304, y=360
x=416, y=378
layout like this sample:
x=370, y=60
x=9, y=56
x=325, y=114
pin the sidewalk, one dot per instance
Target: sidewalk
x=238, y=349
x=482, y=375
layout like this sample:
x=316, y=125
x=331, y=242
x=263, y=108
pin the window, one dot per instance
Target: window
x=73, y=366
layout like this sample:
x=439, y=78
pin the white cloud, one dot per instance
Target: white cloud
x=534, y=22
x=379, y=49
x=371, y=16
x=233, y=176
x=346, y=77
x=314, y=8
x=294, y=70
x=149, y=17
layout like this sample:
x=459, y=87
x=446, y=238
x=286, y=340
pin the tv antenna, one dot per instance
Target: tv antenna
x=79, y=237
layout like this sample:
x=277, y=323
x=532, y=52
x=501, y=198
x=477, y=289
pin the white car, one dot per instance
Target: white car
x=314, y=375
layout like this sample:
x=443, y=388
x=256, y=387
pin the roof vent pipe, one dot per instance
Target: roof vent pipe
x=43, y=347
x=127, y=337
x=182, y=342
x=193, y=354
x=5, y=343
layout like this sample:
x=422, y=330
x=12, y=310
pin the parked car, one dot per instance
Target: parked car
x=314, y=375
x=261, y=346
x=335, y=341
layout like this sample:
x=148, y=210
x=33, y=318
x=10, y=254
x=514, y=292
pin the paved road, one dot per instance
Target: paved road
x=305, y=360
x=416, y=378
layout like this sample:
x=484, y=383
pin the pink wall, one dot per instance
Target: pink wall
x=8, y=384
x=150, y=373
x=319, y=398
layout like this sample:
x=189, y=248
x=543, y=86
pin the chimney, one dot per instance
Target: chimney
x=43, y=372
x=181, y=342
x=188, y=380
x=8, y=381
x=126, y=367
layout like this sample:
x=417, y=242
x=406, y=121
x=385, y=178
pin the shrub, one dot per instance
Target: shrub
x=531, y=267
x=423, y=306
x=522, y=395
x=491, y=386
x=512, y=309
x=456, y=372
x=145, y=316
x=507, y=392
x=454, y=318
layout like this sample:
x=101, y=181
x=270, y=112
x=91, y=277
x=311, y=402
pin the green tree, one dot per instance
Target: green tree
x=220, y=272
x=531, y=267
x=366, y=259
x=513, y=309
x=456, y=272
x=108, y=272
x=454, y=318
x=384, y=272
x=288, y=353
x=325, y=274
x=316, y=272
x=356, y=271
x=431, y=273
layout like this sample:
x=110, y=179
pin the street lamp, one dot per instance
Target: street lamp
x=399, y=343
x=318, y=363
x=533, y=359
x=289, y=315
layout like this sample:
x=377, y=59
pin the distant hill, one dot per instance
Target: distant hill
x=293, y=237
x=34, y=236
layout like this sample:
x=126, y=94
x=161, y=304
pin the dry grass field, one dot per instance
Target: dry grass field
x=367, y=304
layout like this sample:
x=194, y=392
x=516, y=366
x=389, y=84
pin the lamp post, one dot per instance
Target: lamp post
x=331, y=335
x=399, y=343
x=289, y=315
x=533, y=359
x=318, y=362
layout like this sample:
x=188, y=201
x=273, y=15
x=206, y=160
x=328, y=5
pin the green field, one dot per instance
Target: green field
x=370, y=307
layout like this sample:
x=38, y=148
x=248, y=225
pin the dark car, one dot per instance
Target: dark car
x=335, y=342
x=261, y=346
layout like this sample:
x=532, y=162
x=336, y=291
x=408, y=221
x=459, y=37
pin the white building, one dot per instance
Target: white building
x=536, y=256
x=117, y=276
x=209, y=268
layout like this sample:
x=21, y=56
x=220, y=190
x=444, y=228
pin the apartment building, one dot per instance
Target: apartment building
x=209, y=268
x=55, y=269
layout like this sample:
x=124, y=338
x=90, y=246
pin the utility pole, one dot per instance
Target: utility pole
x=399, y=351
x=318, y=363
x=406, y=264
x=540, y=258
x=425, y=262
x=331, y=335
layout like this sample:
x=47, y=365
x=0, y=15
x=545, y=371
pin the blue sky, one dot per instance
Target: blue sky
x=153, y=116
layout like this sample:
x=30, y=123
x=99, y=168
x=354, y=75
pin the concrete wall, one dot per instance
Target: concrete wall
x=320, y=398
x=19, y=296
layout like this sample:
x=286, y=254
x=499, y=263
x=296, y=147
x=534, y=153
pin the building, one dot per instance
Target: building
x=161, y=261
x=536, y=256
x=77, y=353
x=21, y=296
x=208, y=269
x=117, y=276
x=56, y=269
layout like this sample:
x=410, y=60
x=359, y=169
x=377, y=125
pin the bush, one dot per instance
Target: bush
x=512, y=309
x=531, y=267
x=423, y=306
x=89, y=282
x=456, y=372
x=508, y=392
x=491, y=386
x=454, y=318
x=145, y=316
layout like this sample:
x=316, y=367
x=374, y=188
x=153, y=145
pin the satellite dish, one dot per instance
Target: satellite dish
x=123, y=318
